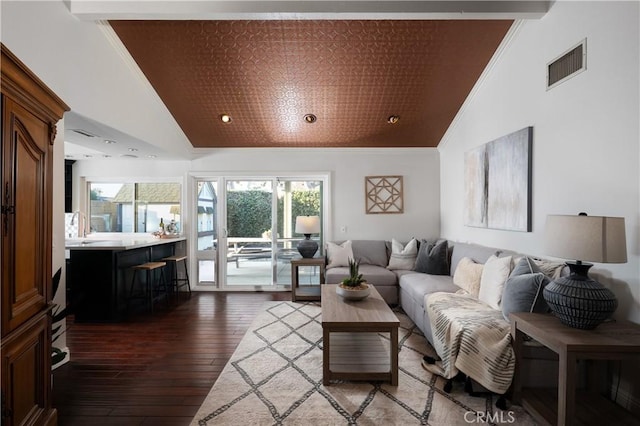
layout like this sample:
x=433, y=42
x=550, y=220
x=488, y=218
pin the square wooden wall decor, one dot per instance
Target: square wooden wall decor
x=383, y=194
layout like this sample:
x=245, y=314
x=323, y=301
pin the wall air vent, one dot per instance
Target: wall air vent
x=84, y=133
x=567, y=65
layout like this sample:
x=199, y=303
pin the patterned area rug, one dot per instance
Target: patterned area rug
x=275, y=378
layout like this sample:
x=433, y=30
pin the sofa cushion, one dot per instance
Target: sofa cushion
x=373, y=274
x=339, y=254
x=525, y=265
x=433, y=258
x=372, y=252
x=495, y=272
x=551, y=269
x=403, y=257
x=400, y=272
x=418, y=285
x=523, y=293
x=467, y=276
x=477, y=253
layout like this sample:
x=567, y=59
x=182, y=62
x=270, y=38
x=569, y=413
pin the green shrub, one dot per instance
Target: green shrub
x=249, y=212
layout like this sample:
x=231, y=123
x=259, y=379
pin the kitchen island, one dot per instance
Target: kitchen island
x=99, y=272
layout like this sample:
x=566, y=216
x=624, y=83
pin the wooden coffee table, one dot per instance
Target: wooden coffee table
x=352, y=348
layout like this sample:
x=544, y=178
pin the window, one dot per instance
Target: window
x=133, y=207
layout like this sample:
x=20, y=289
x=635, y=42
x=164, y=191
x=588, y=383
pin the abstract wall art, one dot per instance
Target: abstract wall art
x=498, y=183
x=475, y=180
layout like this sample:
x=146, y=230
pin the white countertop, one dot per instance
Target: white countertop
x=113, y=243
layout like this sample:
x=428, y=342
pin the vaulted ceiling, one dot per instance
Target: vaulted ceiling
x=351, y=74
x=267, y=63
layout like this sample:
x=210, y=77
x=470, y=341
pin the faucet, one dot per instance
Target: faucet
x=82, y=231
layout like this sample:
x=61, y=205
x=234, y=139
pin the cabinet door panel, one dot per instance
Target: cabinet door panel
x=24, y=241
x=25, y=383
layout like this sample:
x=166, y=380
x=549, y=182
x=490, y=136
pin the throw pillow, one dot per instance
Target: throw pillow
x=403, y=257
x=467, y=276
x=371, y=252
x=494, y=275
x=551, y=269
x=339, y=254
x=525, y=265
x=523, y=293
x=433, y=258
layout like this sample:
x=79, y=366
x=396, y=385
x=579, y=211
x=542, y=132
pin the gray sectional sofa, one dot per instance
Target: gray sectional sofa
x=374, y=258
x=408, y=287
x=413, y=286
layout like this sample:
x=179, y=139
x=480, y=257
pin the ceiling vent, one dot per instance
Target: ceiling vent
x=567, y=65
x=84, y=133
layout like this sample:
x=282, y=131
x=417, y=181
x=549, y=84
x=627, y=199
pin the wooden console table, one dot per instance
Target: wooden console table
x=613, y=340
x=306, y=292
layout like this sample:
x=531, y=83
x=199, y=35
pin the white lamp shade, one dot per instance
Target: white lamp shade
x=588, y=238
x=308, y=224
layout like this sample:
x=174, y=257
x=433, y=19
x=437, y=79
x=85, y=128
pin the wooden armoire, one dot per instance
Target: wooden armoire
x=30, y=112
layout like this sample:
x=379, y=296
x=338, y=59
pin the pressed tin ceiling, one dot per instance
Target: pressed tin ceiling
x=352, y=75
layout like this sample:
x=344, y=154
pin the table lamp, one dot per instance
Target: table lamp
x=578, y=300
x=307, y=225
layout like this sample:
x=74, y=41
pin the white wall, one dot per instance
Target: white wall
x=79, y=63
x=58, y=255
x=585, y=144
x=347, y=167
x=586, y=131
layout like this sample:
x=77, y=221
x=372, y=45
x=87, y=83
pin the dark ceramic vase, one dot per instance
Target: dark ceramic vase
x=578, y=301
x=307, y=247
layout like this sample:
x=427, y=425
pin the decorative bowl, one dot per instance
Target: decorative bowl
x=353, y=293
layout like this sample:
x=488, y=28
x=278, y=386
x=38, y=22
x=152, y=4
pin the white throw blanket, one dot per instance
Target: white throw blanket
x=471, y=337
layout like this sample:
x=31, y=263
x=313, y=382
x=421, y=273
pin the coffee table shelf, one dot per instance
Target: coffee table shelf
x=355, y=353
x=352, y=347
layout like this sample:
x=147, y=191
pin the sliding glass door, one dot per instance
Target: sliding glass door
x=249, y=233
x=246, y=230
x=206, y=210
x=296, y=197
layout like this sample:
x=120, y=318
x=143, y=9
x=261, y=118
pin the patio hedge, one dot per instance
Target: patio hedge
x=249, y=212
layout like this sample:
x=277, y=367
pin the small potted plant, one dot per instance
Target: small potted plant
x=353, y=287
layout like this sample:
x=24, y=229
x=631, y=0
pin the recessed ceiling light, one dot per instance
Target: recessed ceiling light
x=88, y=156
x=109, y=141
x=225, y=118
x=393, y=119
x=106, y=156
x=133, y=149
x=152, y=156
x=310, y=118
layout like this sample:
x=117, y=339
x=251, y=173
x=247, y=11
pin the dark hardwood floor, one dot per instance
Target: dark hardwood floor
x=153, y=369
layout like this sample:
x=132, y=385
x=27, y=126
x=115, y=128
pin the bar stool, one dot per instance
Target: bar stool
x=176, y=282
x=154, y=286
